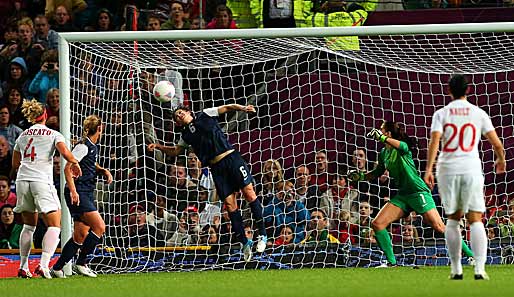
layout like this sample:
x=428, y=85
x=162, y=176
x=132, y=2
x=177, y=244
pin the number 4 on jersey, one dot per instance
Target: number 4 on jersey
x=29, y=151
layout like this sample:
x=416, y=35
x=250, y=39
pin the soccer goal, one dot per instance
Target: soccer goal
x=315, y=91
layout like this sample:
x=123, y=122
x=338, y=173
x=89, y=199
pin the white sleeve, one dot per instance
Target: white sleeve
x=58, y=137
x=487, y=124
x=437, y=125
x=212, y=112
x=16, y=147
x=80, y=151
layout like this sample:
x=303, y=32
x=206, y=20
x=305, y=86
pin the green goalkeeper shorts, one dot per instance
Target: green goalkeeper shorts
x=419, y=202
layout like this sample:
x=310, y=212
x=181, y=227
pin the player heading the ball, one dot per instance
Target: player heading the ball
x=231, y=174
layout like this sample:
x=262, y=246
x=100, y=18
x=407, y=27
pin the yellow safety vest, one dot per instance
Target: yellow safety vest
x=340, y=19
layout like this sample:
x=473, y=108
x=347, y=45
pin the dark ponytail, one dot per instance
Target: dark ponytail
x=398, y=133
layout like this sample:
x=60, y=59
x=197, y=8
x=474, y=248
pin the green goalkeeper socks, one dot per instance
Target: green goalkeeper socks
x=384, y=241
x=467, y=251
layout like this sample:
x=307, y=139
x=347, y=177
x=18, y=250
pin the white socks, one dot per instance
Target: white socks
x=50, y=242
x=454, y=244
x=479, y=246
x=25, y=244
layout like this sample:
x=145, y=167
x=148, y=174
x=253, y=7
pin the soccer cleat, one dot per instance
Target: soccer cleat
x=386, y=265
x=482, y=276
x=261, y=243
x=43, y=272
x=456, y=276
x=247, y=250
x=57, y=273
x=84, y=270
x=22, y=273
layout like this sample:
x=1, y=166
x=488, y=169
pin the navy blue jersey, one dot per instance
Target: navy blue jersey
x=86, y=152
x=205, y=136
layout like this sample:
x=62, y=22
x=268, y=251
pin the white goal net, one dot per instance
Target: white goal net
x=315, y=102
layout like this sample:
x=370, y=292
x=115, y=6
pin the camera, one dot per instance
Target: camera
x=50, y=66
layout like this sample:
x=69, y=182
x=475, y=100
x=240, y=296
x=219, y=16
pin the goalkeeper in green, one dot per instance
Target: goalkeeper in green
x=413, y=193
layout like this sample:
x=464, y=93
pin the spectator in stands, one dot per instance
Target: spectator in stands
x=322, y=178
x=188, y=230
x=359, y=160
x=47, y=78
x=52, y=108
x=506, y=225
x=305, y=192
x=285, y=237
x=62, y=20
x=181, y=189
x=153, y=23
x=285, y=209
x=409, y=234
x=210, y=214
x=165, y=222
x=14, y=102
x=344, y=197
x=43, y=34
x=365, y=212
x=344, y=230
x=177, y=19
x=140, y=233
x=72, y=6
x=318, y=229
x=18, y=76
x=197, y=23
x=102, y=22
x=209, y=235
x=5, y=157
x=223, y=19
x=7, y=129
x=271, y=174
x=10, y=37
x=9, y=230
x=31, y=52
x=197, y=173
x=6, y=196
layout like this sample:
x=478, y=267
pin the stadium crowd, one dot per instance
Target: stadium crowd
x=317, y=203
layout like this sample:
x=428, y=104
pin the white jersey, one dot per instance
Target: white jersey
x=37, y=147
x=461, y=124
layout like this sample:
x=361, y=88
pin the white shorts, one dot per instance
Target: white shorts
x=36, y=197
x=461, y=192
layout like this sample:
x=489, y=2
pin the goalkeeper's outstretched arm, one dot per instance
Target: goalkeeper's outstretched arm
x=168, y=150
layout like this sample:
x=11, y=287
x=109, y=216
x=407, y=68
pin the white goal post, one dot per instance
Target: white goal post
x=310, y=97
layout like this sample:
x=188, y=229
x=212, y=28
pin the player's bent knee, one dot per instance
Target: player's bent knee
x=377, y=225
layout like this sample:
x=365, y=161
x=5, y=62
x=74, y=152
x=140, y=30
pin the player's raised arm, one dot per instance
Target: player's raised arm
x=235, y=107
x=500, y=164
x=168, y=150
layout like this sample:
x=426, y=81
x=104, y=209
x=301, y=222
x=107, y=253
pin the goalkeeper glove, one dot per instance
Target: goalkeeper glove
x=356, y=175
x=377, y=135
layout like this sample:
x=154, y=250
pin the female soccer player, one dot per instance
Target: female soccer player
x=88, y=225
x=413, y=193
x=231, y=174
x=33, y=158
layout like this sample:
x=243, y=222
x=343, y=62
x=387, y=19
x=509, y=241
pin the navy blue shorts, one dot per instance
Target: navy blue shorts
x=230, y=175
x=87, y=203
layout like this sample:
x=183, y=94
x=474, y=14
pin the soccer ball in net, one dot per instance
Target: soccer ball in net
x=164, y=91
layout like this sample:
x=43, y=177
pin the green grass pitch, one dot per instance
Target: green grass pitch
x=353, y=282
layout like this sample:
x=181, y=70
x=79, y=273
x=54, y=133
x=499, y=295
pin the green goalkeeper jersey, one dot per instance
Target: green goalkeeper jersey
x=401, y=167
